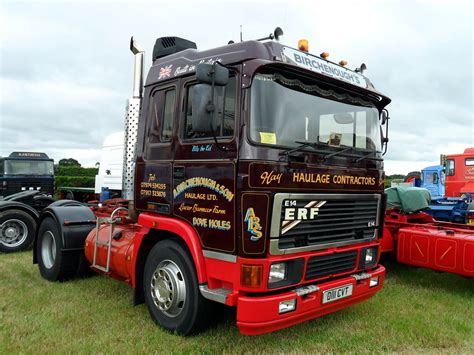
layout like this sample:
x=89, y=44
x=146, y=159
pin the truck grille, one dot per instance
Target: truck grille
x=325, y=265
x=15, y=185
x=318, y=220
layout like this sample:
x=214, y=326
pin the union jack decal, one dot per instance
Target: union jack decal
x=165, y=72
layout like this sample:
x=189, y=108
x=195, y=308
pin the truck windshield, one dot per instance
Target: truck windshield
x=28, y=167
x=288, y=112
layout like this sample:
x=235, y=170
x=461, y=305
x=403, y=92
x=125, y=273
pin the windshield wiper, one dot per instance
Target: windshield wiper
x=338, y=152
x=365, y=156
x=300, y=147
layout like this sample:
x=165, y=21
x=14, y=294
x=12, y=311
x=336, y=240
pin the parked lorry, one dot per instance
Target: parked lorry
x=26, y=171
x=109, y=177
x=26, y=187
x=460, y=173
x=253, y=177
x=108, y=181
x=451, y=185
x=419, y=240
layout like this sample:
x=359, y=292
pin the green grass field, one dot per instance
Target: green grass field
x=418, y=310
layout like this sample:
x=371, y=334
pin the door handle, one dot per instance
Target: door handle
x=178, y=173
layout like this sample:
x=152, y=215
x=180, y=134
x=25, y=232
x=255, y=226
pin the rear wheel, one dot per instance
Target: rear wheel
x=413, y=177
x=54, y=263
x=172, y=292
x=17, y=230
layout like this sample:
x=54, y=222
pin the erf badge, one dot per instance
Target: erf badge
x=253, y=225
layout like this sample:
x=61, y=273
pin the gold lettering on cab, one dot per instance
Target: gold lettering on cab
x=268, y=177
x=152, y=188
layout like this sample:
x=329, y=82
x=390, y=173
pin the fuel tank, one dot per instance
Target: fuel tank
x=121, y=253
x=448, y=250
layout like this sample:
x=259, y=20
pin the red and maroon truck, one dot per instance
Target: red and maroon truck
x=253, y=177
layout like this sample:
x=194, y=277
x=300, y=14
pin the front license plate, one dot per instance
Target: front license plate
x=337, y=293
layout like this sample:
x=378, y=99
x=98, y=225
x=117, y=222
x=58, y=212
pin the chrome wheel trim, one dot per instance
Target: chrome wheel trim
x=48, y=249
x=13, y=232
x=168, y=288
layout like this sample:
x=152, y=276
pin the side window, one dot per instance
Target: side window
x=160, y=116
x=224, y=110
x=449, y=167
x=167, y=127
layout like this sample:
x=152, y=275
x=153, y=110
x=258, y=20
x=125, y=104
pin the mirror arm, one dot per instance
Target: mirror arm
x=211, y=109
x=385, y=139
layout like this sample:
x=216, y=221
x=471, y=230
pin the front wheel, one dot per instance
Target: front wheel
x=172, y=292
x=17, y=230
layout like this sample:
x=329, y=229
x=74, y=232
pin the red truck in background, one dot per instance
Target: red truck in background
x=419, y=240
x=460, y=173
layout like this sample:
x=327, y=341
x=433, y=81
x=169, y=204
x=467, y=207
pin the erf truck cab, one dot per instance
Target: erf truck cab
x=253, y=177
x=25, y=171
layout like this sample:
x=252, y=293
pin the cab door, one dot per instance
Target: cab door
x=154, y=166
x=204, y=172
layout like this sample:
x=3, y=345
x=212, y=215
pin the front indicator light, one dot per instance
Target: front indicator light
x=287, y=306
x=251, y=275
x=277, y=272
x=374, y=281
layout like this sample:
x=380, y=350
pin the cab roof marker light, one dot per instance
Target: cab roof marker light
x=343, y=63
x=324, y=55
x=303, y=45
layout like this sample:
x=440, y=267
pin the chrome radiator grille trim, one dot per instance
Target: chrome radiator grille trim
x=342, y=219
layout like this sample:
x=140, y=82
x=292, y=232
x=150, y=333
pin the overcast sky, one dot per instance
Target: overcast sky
x=66, y=70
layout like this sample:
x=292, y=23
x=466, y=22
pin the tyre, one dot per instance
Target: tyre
x=17, y=230
x=413, y=176
x=172, y=292
x=54, y=263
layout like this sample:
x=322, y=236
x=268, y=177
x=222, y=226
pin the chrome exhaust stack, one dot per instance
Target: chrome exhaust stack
x=132, y=116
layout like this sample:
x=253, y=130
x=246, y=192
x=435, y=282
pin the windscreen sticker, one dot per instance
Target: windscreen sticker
x=335, y=139
x=267, y=138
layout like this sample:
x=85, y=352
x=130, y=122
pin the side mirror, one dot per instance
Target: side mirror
x=384, y=117
x=203, y=116
x=212, y=79
x=212, y=74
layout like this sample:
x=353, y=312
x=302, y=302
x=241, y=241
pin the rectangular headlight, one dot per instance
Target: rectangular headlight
x=277, y=272
x=287, y=306
x=368, y=257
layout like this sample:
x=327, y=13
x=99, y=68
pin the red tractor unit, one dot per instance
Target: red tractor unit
x=419, y=240
x=460, y=173
x=253, y=177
